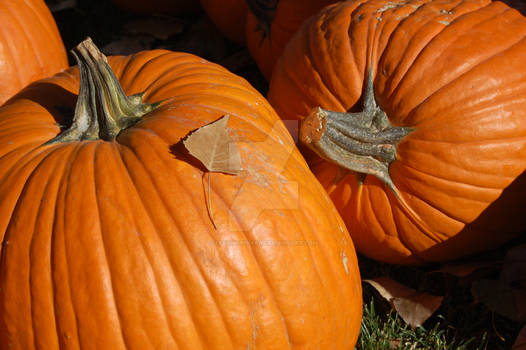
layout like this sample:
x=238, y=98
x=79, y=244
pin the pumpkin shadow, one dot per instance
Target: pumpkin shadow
x=518, y=5
x=59, y=102
x=503, y=220
x=179, y=151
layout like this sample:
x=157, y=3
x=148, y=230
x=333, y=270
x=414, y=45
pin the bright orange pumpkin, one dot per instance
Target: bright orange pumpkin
x=270, y=25
x=108, y=240
x=446, y=136
x=30, y=45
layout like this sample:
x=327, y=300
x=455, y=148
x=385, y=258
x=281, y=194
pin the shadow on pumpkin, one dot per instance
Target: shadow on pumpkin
x=179, y=151
x=59, y=102
x=503, y=220
x=518, y=5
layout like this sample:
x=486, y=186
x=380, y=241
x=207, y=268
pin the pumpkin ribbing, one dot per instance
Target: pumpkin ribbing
x=30, y=45
x=109, y=244
x=449, y=69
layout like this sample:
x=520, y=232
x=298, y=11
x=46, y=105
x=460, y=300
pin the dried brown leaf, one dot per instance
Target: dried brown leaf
x=414, y=307
x=465, y=269
x=128, y=45
x=212, y=146
x=161, y=28
x=503, y=298
x=520, y=342
x=514, y=268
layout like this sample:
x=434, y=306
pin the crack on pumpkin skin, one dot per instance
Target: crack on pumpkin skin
x=103, y=110
x=364, y=142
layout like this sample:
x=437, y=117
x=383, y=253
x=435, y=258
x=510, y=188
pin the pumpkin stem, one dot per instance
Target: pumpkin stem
x=102, y=108
x=264, y=11
x=364, y=142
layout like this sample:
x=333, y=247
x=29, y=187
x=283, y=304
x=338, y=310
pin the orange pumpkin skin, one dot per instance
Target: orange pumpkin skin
x=173, y=7
x=453, y=70
x=229, y=16
x=30, y=45
x=288, y=17
x=110, y=245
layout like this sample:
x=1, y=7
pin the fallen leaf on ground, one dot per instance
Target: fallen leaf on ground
x=514, y=268
x=212, y=146
x=465, y=269
x=503, y=298
x=128, y=45
x=506, y=295
x=159, y=27
x=413, y=307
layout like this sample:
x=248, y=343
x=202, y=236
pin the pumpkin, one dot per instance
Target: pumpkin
x=417, y=112
x=115, y=237
x=264, y=25
x=229, y=16
x=270, y=25
x=173, y=7
x=30, y=45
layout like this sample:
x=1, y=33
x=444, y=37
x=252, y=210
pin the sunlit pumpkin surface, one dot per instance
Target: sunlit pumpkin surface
x=30, y=45
x=453, y=70
x=111, y=244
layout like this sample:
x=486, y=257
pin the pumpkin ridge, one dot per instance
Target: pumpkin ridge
x=216, y=196
x=146, y=249
x=457, y=180
x=212, y=295
x=405, y=63
x=335, y=266
x=159, y=60
x=10, y=49
x=29, y=184
x=400, y=235
x=113, y=305
x=442, y=236
x=126, y=149
x=60, y=198
x=475, y=66
x=21, y=165
x=316, y=75
x=131, y=150
x=126, y=70
x=483, y=103
x=58, y=168
x=396, y=219
x=454, y=77
x=37, y=53
x=327, y=70
x=259, y=264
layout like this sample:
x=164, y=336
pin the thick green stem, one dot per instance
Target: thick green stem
x=103, y=109
x=363, y=142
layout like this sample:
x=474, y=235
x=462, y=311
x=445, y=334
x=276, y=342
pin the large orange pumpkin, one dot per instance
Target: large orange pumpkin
x=229, y=16
x=445, y=132
x=115, y=238
x=264, y=25
x=270, y=25
x=30, y=45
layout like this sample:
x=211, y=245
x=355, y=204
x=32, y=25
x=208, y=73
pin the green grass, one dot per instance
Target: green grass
x=390, y=332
